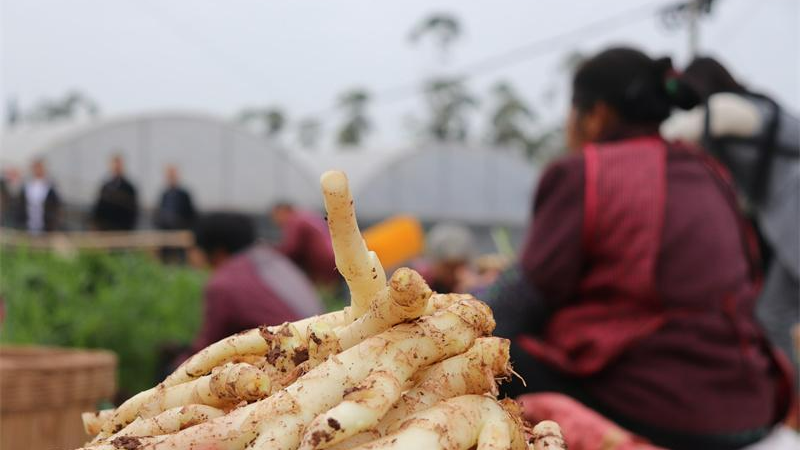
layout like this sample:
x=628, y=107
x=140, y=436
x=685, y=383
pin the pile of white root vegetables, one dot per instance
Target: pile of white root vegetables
x=400, y=368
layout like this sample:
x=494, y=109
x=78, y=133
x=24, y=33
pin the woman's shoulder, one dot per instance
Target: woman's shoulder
x=565, y=167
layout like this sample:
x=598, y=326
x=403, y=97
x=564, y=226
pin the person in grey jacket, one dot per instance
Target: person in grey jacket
x=759, y=142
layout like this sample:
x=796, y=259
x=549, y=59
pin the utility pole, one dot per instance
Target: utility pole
x=693, y=24
x=687, y=13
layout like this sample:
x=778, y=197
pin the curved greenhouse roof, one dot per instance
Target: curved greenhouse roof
x=227, y=167
x=476, y=186
x=223, y=165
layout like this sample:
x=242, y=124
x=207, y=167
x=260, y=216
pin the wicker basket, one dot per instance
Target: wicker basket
x=43, y=392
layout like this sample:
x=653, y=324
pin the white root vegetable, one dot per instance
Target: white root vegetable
x=250, y=342
x=360, y=409
x=278, y=421
x=322, y=342
x=547, y=436
x=361, y=269
x=224, y=388
x=459, y=423
x=472, y=372
x=281, y=344
x=229, y=385
x=93, y=421
x=170, y=421
x=405, y=298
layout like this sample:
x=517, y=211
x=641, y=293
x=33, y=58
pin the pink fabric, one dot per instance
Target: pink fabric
x=583, y=428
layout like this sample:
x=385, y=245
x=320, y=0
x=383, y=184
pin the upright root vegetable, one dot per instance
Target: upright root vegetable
x=361, y=269
x=405, y=298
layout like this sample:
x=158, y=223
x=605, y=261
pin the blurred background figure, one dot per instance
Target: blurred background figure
x=449, y=248
x=175, y=212
x=635, y=290
x=10, y=185
x=176, y=209
x=759, y=142
x=251, y=284
x=39, y=204
x=306, y=241
x=117, y=206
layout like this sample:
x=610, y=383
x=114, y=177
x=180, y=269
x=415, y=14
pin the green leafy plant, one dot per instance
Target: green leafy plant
x=124, y=302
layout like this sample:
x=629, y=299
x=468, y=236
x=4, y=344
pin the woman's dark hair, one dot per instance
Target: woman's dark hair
x=707, y=77
x=640, y=89
x=231, y=232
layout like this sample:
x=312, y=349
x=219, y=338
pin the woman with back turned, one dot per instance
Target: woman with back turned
x=635, y=288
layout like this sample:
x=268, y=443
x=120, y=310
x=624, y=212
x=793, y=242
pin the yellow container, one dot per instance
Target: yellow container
x=396, y=240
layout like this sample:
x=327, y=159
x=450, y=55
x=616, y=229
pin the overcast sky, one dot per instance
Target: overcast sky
x=217, y=56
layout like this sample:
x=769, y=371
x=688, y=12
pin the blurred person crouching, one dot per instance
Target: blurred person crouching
x=250, y=285
x=306, y=241
x=449, y=248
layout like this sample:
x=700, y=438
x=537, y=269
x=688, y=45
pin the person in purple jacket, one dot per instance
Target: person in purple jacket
x=251, y=284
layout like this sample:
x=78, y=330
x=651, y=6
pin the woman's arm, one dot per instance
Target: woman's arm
x=551, y=259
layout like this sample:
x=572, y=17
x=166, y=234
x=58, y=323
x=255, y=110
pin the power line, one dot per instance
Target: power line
x=519, y=54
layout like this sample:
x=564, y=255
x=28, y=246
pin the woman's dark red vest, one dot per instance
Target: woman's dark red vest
x=618, y=304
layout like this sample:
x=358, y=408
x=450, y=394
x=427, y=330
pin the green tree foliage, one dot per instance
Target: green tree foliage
x=511, y=118
x=270, y=121
x=124, y=302
x=65, y=107
x=449, y=103
x=443, y=27
x=356, y=125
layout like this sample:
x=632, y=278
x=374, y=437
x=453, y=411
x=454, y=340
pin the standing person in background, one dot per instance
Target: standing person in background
x=759, y=142
x=250, y=285
x=117, y=206
x=636, y=285
x=306, y=241
x=176, y=209
x=10, y=185
x=39, y=204
x=175, y=212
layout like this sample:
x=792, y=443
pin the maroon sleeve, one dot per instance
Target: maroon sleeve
x=552, y=256
x=215, y=319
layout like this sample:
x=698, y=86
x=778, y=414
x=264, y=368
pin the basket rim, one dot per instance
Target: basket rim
x=34, y=357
